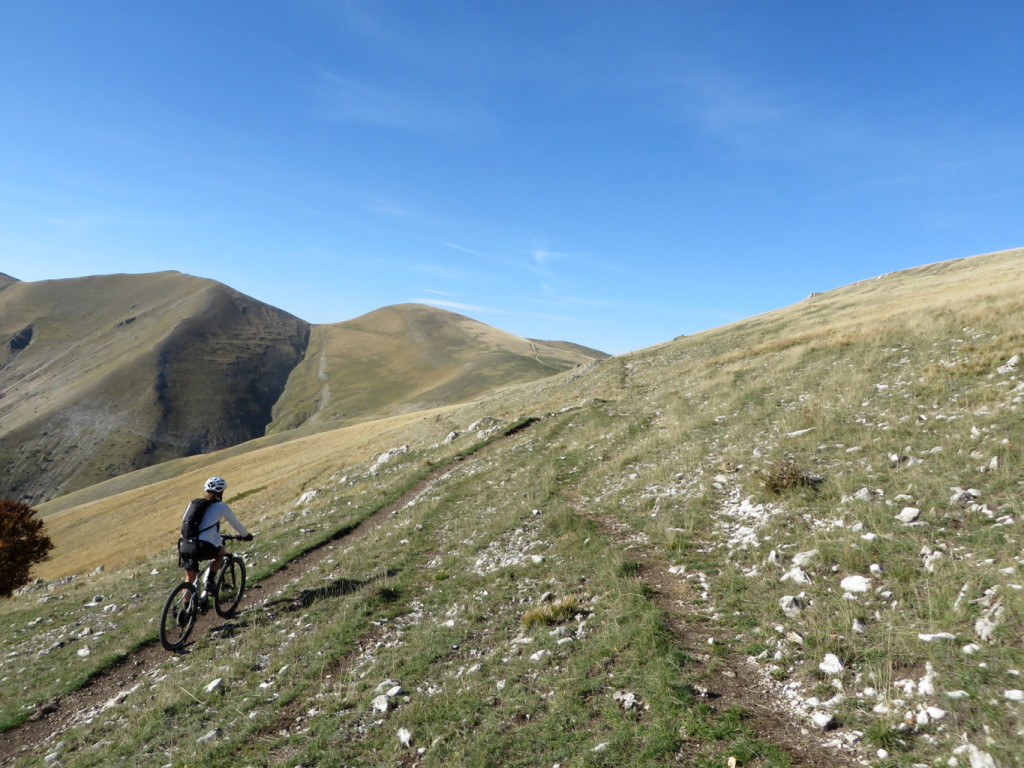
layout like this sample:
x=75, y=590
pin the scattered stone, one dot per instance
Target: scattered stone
x=213, y=735
x=987, y=624
x=936, y=637
x=1010, y=366
x=380, y=703
x=980, y=759
x=823, y=720
x=540, y=655
x=84, y=652
x=627, y=700
x=962, y=496
x=305, y=498
x=1014, y=695
x=405, y=737
x=909, y=515
x=791, y=606
x=859, y=626
x=387, y=456
x=802, y=559
x=855, y=584
x=217, y=686
x=926, y=685
x=797, y=576
x=832, y=665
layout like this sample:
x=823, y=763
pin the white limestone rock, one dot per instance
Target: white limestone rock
x=832, y=665
x=797, y=576
x=803, y=559
x=909, y=515
x=791, y=606
x=855, y=584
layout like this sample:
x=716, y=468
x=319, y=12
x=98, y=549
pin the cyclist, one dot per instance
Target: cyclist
x=211, y=546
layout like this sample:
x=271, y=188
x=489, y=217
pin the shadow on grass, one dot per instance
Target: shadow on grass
x=337, y=588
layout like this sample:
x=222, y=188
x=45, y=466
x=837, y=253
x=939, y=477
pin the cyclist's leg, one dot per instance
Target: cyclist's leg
x=215, y=565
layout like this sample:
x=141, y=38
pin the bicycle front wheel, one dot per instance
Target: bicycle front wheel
x=230, y=586
x=178, y=617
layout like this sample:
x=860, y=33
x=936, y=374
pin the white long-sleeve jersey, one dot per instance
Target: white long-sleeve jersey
x=209, y=528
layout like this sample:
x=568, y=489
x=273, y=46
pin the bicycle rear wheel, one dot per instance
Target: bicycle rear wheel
x=178, y=617
x=230, y=586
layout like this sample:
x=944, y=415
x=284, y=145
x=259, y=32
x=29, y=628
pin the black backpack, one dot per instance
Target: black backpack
x=188, y=544
x=194, y=518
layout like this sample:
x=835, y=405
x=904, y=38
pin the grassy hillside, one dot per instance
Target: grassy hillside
x=791, y=541
x=407, y=358
x=103, y=375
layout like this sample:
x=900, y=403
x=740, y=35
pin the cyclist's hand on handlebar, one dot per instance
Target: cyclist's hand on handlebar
x=247, y=537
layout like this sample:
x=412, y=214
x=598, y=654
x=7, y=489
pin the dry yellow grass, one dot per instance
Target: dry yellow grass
x=145, y=512
x=115, y=530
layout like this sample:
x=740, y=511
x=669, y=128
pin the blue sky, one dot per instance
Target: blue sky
x=609, y=173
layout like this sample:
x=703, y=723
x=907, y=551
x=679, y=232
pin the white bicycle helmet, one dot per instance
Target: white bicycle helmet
x=215, y=484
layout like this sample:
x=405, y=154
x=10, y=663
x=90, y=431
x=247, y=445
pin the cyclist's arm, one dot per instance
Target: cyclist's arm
x=228, y=515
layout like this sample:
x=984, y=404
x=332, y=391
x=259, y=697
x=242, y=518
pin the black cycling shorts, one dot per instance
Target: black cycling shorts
x=190, y=553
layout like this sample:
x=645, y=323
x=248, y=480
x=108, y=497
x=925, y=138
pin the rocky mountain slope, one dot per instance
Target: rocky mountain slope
x=104, y=375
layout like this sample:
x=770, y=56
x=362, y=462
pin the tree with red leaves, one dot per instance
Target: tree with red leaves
x=22, y=544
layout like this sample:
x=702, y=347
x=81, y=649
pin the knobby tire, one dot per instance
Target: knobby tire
x=172, y=636
x=230, y=586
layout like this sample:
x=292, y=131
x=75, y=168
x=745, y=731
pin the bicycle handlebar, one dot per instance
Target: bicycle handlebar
x=233, y=537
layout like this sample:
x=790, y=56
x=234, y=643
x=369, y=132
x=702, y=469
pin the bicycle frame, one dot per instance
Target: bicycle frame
x=190, y=599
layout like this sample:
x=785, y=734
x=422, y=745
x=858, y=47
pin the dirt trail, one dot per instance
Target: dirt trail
x=728, y=683
x=58, y=715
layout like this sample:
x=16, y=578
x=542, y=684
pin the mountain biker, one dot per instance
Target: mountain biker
x=211, y=546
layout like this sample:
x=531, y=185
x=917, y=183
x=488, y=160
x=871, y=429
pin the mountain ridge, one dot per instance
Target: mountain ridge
x=106, y=374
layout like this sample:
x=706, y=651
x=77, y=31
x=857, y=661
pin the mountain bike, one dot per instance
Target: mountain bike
x=187, y=601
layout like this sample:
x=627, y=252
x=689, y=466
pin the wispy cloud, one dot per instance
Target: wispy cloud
x=510, y=262
x=510, y=312
x=346, y=100
x=543, y=256
x=454, y=305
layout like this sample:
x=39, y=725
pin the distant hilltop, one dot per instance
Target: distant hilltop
x=104, y=375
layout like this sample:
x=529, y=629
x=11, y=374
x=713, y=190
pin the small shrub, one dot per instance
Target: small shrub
x=22, y=544
x=552, y=613
x=784, y=475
